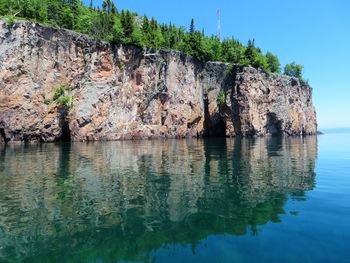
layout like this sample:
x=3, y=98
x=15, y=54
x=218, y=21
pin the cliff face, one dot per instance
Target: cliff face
x=125, y=93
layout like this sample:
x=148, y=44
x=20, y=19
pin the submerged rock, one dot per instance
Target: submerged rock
x=123, y=92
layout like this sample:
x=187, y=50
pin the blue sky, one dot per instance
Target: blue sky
x=315, y=33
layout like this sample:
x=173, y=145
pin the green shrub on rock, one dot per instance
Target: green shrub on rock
x=65, y=101
x=58, y=92
x=221, y=98
x=60, y=96
x=294, y=70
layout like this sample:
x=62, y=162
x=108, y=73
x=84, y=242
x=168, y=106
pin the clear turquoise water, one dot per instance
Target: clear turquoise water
x=250, y=200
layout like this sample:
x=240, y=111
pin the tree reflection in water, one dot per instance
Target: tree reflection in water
x=121, y=200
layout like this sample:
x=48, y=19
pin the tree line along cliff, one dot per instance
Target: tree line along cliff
x=106, y=23
x=61, y=85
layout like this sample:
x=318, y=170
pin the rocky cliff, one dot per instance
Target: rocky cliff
x=123, y=92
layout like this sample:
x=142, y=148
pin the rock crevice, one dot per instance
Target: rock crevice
x=123, y=92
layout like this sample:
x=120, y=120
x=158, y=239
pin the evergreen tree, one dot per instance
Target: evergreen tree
x=114, y=9
x=136, y=37
x=233, y=51
x=127, y=22
x=250, y=52
x=118, y=33
x=156, y=39
x=192, y=27
x=146, y=31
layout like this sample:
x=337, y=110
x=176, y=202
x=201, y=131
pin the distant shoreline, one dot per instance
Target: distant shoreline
x=334, y=130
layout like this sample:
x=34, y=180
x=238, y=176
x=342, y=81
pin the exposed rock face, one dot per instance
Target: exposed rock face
x=270, y=104
x=126, y=93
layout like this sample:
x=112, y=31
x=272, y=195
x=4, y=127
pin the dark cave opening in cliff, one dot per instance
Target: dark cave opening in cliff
x=273, y=125
x=218, y=129
x=214, y=125
x=65, y=130
x=2, y=135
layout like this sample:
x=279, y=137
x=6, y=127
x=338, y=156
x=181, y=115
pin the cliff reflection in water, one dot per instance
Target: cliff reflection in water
x=120, y=200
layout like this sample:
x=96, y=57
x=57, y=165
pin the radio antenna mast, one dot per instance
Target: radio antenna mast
x=218, y=33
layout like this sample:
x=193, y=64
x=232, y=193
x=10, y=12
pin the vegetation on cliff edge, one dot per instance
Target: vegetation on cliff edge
x=107, y=23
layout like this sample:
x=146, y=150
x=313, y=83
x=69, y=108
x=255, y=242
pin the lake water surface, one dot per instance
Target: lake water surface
x=218, y=200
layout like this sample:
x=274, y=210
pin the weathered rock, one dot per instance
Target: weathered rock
x=270, y=104
x=122, y=92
